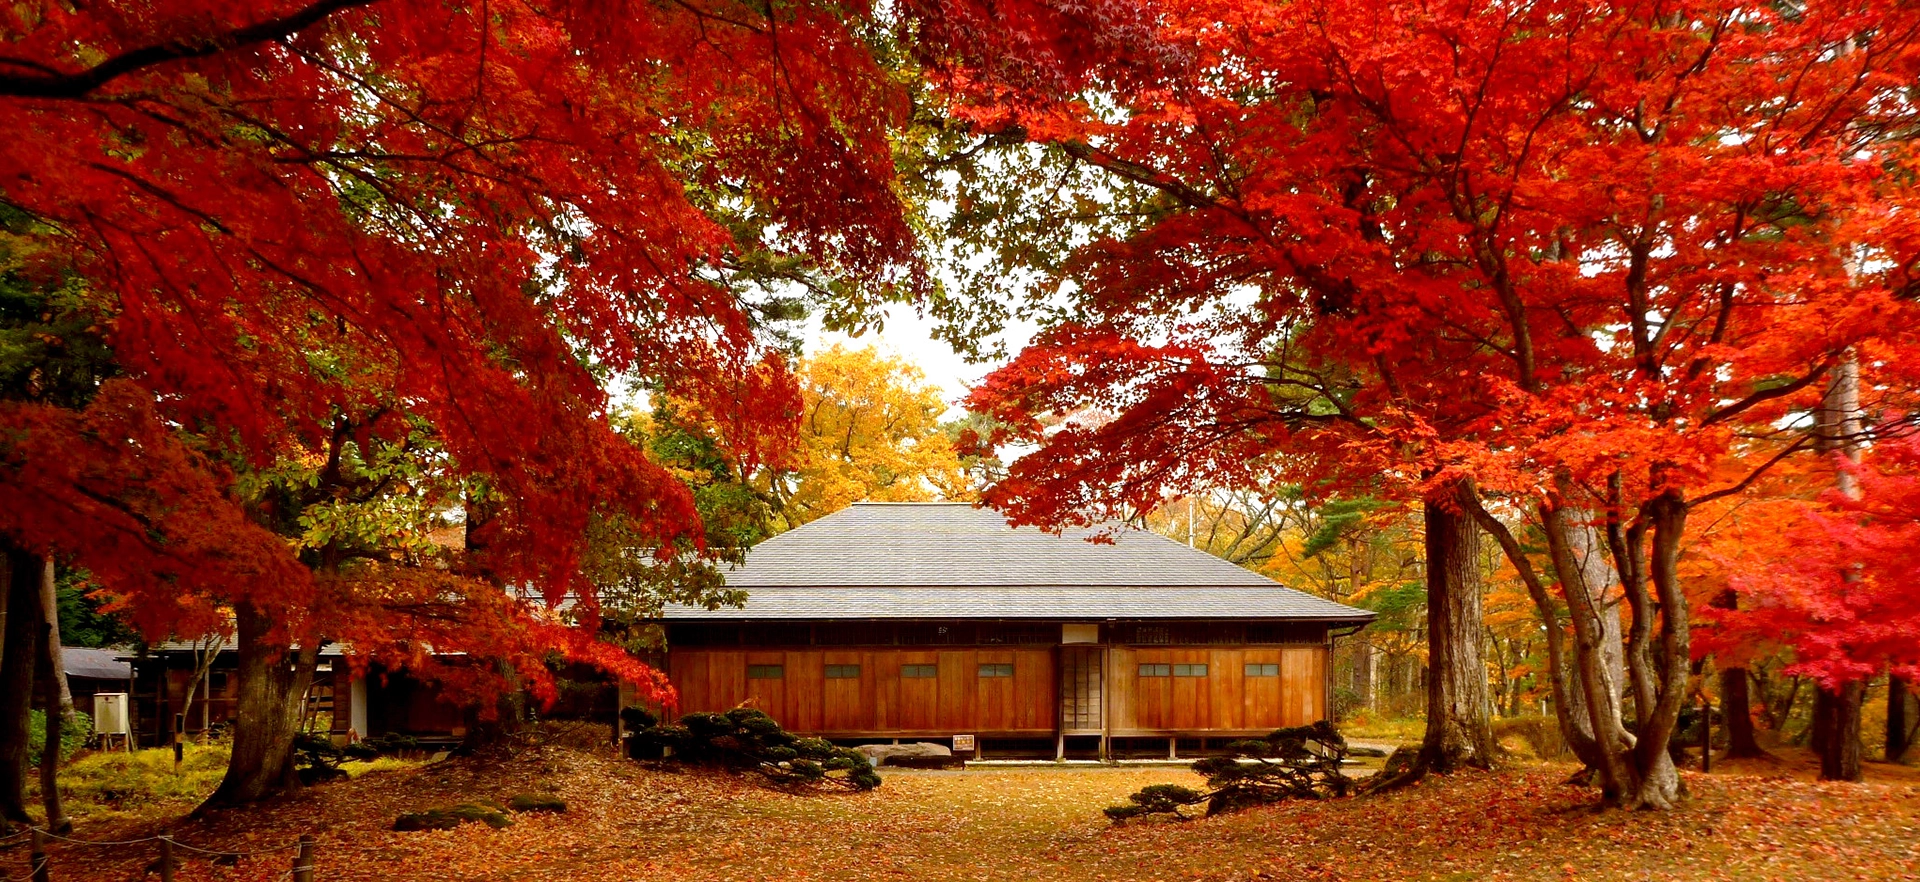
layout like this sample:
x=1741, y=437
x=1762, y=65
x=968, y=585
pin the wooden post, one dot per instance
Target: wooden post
x=303, y=859
x=1059, y=748
x=37, y=859
x=1172, y=740
x=166, y=859
x=179, y=739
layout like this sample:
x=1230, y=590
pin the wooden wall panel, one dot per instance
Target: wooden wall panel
x=805, y=685
x=1152, y=696
x=919, y=708
x=1122, y=712
x=1190, y=706
x=993, y=698
x=1224, y=686
x=1035, y=678
x=1302, y=686
x=954, y=710
x=768, y=695
x=885, y=667
x=1260, y=700
x=880, y=702
x=848, y=705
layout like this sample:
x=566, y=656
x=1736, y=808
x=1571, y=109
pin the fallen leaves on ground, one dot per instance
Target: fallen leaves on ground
x=626, y=821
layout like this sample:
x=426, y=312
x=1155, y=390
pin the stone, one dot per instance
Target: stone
x=536, y=802
x=453, y=816
x=885, y=754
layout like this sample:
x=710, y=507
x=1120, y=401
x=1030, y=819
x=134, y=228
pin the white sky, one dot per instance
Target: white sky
x=906, y=334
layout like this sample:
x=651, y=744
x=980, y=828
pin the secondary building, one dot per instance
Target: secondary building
x=934, y=620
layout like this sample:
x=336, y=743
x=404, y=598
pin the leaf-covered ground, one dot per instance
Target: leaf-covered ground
x=631, y=823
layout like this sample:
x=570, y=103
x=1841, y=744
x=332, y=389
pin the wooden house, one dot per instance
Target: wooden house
x=926, y=621
x=348, y=706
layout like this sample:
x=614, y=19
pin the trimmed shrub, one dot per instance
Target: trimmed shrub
x=1302, y=762
x=747, y=739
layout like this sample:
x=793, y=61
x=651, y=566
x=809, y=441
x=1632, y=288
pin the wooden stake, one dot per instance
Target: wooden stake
x=303, y=859
x=37, y=857
x=166, y=859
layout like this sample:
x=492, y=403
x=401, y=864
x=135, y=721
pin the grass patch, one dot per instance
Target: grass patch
x=1369, y=728
x=111, y=785
x=382, y=764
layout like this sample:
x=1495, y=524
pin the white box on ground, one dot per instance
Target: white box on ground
x=110, y=714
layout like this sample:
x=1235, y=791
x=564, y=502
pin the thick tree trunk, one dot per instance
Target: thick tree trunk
x=1897, y=726
x=1820, y=729
x=1736, y=705
x=18, y=635
x=272, y=682
x=1459, y=734
x=1839, y=720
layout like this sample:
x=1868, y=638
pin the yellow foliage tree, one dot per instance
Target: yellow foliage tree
x=869, y=430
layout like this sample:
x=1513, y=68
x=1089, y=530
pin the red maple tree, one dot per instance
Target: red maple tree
x=307, y=225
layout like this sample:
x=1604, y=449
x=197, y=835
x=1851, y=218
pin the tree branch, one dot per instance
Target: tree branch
x=54, y=84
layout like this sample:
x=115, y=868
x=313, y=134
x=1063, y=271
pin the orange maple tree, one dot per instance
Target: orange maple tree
x=1569, y=253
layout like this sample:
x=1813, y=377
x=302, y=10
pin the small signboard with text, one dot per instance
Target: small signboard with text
x=963, y=747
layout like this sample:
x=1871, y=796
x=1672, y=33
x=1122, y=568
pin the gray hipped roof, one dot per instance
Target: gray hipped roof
x=932, y=560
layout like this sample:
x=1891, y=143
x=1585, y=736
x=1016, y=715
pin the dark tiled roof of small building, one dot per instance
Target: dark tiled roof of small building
x=94, y=664
x=952, y=560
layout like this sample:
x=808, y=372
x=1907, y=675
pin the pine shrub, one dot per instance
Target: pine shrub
x=747, y=739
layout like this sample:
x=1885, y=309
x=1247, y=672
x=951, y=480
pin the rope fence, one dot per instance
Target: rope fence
x=40, y=861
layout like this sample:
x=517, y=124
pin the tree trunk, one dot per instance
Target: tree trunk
x=1659, y=785
x=1897, y=727
x=1459, y=734
x=1568, y=711
x=273, y=682
x=50, y=608
x=1838, y=736
x=1839, y=719
x=18, y=634
x=1363, y=672
x=57, y=698
x=1593, y=694
x=1736, y=705
x=206, y=651
x=1819, y=731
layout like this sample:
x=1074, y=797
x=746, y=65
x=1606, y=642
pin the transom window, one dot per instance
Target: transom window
x=766, y=672
x=996, y=670
x=1189, y=670
x=919, y=672
x=1156, y=670
x=843, y=672
x=1263, y=670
